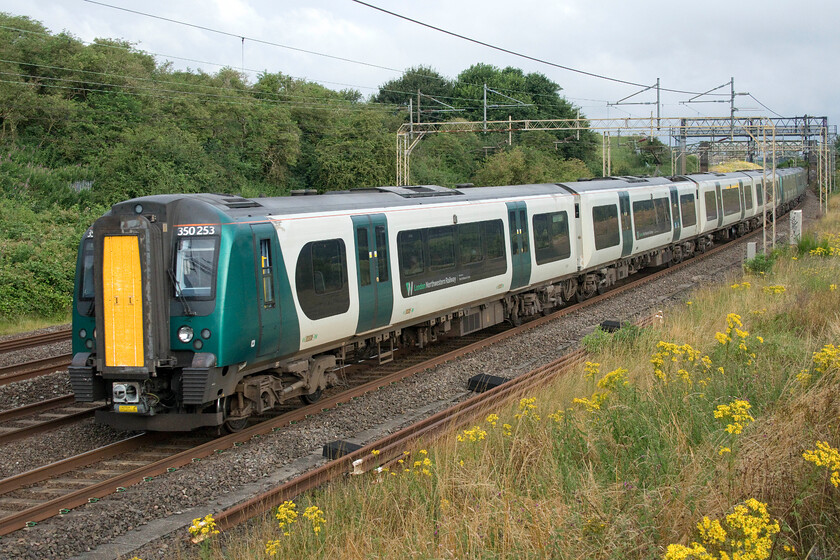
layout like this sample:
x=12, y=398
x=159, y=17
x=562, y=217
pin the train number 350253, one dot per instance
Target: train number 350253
x=195, y=230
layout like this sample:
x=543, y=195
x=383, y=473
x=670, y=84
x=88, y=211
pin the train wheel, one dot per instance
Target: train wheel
x=311, y=398
x=233, y=425
x=581, y=295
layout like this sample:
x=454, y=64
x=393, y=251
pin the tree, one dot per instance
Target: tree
x=523, y=165
x=423, y=78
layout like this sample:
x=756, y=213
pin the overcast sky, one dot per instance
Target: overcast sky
x=783, y=53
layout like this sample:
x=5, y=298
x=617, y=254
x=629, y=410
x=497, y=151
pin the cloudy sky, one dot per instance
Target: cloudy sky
x=783, y=53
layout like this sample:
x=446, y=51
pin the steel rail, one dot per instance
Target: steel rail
x=392, y=446
x=31, y=341
x=34, y=368
x=47, y=425
x=52, y=470
x=340, y=466
x=34, y=408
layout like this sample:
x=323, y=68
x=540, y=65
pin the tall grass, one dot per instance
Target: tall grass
x=624, y=456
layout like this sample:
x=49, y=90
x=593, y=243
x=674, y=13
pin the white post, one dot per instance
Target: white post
x=795, y=227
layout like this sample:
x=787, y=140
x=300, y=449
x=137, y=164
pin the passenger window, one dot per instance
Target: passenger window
x=651, y=217
x=760, y=194
x=711, y=205
x=748, y=203
x=731, y=200
x=410, y=244
x=494, y=234
x=523, y=238
x=267, y=275
x=321, y=279
x=381, y=253
x=605, y=224
x=364, y=256
x=469, y=243
x=687, y=210
x=551, y=237
x=441, y=248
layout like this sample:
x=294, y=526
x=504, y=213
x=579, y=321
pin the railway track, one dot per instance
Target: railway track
x=34, y=368
x=41, y=417
x=60, y=493
x=31, y=341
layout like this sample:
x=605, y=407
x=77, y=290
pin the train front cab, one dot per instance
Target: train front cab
x=135, y=272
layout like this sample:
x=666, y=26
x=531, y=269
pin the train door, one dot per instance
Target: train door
x=675, y=213
x=520, y=251
x=122, y=294
x=376, y=296
x=268, y=303
x=626, y=224
x=719, y=198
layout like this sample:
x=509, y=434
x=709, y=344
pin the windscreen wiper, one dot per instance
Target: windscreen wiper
x=187, y=311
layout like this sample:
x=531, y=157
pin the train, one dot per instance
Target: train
x=194, y=310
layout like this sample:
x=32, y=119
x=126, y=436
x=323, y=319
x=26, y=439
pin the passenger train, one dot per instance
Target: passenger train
x=204, y=309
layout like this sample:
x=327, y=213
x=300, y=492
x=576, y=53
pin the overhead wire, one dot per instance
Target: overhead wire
x=517, y=54
x=271, y=43
x=305, y=78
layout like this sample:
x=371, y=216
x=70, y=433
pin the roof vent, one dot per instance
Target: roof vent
x=239, y=202
x=422, y=191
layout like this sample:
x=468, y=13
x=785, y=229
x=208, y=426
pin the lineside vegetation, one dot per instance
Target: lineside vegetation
x=714, y=435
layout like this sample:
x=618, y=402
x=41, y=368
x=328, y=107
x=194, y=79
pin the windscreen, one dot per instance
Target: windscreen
x=195, y=267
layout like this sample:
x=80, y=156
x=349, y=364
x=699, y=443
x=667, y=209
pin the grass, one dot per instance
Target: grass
x=703, y=419
x=27, y=324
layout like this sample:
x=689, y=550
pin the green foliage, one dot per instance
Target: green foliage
x=522, y=165
x=760, y=264
x=423, y=78
x=600, y=341
x=810, y=242
x=85, y=126
x=37, y=258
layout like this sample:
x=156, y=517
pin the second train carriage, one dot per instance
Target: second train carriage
x=197, y=310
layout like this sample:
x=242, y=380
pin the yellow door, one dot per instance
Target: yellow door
x=123, y=301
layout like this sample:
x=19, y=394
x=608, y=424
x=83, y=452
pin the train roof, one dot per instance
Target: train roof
x=385, y=197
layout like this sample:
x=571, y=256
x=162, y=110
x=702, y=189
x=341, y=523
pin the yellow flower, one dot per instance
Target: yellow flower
x=316, y=517
x=557, y=417
x=737, y=412
x=492, y=419
x=711, y=532
x=527, y=409
x=272, y=547
x=374, y=452
x=689, y=303
x=724, y=450
x=203, y=527
x=473, y=434
x=286, y=514
x=825, y=456
x=591, y=368
x=613, y=379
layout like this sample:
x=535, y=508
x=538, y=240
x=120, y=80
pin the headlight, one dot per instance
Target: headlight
x=205, y=333
x=185, y=334
x=82, y=333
